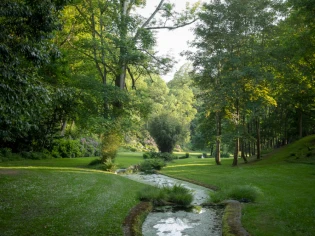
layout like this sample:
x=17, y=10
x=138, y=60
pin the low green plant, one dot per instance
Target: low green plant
x=247, y=193
x=95, y=162
x=6, y=152
x=243, y=193
x=225, y=155
x=146, y=155
x=66, y=148
x=151, y=165
x=156, y=196
x=176, y=194
x=109, y=165
x=109, y=146
x=159, y=155
x=179, y=195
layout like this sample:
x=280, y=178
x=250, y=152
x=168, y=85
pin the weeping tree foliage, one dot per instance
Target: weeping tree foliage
x=166, y=131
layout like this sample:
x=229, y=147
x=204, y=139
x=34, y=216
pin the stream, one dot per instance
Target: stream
x=169, y=221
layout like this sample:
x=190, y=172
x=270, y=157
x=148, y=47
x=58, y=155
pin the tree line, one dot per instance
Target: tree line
x=254, y=65
x=87, y=71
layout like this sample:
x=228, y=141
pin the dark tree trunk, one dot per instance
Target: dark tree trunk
x=218, y=141
x=301, y=125
x=236, y=151
x=63, y=128
x=258, y=138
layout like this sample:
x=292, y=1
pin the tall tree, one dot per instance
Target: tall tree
x=25, y=31
x=230, y=62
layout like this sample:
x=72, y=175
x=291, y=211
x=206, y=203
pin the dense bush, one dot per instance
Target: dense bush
x=95, y=162
x=184, y=157
x=66, y=148
x=166, y=131
x=109, y=165
x=151, y=165
x=159, y=155
x=90, y=147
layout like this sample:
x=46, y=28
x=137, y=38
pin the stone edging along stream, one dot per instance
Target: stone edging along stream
x=231, y=221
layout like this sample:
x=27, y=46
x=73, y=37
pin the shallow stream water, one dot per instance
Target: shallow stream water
x=169, y=221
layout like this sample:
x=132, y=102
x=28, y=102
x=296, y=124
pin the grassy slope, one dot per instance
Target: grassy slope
x=55, y=197
x=287, y=206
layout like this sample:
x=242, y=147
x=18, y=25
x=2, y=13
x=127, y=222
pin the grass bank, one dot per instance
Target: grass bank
x=59, y=197
x=287, y=206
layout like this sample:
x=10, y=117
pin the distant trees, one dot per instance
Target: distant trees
x=248, y=58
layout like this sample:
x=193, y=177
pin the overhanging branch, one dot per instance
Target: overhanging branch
x=170, y=27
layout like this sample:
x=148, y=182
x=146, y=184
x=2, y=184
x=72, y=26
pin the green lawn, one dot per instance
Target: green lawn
x=56, y=197
x=63, y=197
x=287, y=206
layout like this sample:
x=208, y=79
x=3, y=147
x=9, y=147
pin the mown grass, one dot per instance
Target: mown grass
x=286, y=205
x=57, y=197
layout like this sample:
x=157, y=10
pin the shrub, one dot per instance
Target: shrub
x=158, y=155
x=146, y=155
x=95, y=162
x=150, y=165
x=165, y=130
x=225, y=155
x=179, y=195
x=109, y=165
x=66, y=148
x=6, y=152
x=247, y=193
x=89, y=147
x=175, y=195
x=156, y=196
x=37, y=156
x=110, y=145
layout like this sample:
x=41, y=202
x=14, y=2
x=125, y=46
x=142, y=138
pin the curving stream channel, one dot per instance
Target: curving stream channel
x=167, y=221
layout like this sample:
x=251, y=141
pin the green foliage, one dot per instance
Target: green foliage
x=149, y=166
x=109, y=146
x=25, y=46
x=95, y=162
x=242, y=193
x=66, y=148
x=176, y=194
x=159, y=155
x=109, y=165
x=179, y=195
x=156, y=196
x=166, y=131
